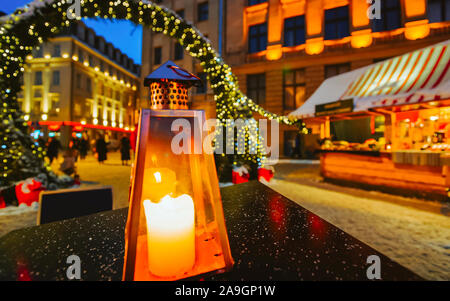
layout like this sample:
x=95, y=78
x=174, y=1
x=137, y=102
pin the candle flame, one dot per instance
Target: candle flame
x=157, y=177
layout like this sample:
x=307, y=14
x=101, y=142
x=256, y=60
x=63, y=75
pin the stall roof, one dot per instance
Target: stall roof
x=415, y=77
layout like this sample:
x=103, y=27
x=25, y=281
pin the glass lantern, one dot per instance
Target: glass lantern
x=175, y=226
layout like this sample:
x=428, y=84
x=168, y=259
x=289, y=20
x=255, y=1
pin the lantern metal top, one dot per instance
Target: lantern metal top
x=172, y=72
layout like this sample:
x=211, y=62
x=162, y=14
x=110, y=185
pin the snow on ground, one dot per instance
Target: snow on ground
x=112, y=173
x=405, y=230
x=417, y=239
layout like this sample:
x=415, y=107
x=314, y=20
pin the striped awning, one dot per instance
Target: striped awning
x=415, y=77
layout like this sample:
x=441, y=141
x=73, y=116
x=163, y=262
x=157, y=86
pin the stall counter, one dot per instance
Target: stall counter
x=413, y=173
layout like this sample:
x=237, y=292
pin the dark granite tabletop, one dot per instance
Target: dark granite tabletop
x=271, y=238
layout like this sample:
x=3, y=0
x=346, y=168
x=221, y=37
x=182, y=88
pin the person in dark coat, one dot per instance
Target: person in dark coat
x=53, y=149
x=125, y=147
x=75, y=147
x=101, y=149
x=84, y=147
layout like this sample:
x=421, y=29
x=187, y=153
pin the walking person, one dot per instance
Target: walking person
x=125, y=147
x=84, y=147
x=53, y=149
x=101, y=149
x=75, y=147
x=68, y=165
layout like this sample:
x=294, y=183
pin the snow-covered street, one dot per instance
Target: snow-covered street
x=412, y=232
x=112, y=173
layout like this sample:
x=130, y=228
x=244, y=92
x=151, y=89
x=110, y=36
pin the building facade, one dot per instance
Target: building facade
x=282, y=50
x=78, y=82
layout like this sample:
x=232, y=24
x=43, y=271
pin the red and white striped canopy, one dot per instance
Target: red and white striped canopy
x=418, y=76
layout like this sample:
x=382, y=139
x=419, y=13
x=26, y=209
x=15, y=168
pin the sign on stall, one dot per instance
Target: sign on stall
x=336, y=107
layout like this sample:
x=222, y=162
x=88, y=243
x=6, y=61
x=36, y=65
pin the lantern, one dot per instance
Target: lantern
x=175, y=226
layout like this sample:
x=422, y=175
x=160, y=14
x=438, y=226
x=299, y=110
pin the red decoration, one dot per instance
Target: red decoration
x=2, y=202
x=22, y=272
x=240, y=175
x=27, y=192
x=265, y=173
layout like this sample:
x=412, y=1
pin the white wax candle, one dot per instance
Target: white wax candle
x=170, y=235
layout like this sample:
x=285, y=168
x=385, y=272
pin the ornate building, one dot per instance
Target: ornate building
x=78, y=82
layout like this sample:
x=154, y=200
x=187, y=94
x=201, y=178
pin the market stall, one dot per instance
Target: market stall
x=405, y=102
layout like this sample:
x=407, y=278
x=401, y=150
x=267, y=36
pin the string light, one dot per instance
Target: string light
x=26, y=29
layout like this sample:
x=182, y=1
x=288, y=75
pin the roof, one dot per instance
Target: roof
x=171, y=71
x=415, y=77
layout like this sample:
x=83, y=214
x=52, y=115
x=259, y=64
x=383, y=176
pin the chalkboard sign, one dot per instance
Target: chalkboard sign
x=333, y=108
x=70, y=203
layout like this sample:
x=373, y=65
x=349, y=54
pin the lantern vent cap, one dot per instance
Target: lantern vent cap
x=172, y=72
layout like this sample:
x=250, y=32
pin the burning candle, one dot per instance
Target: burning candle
x=170, y=235
x=158, y=182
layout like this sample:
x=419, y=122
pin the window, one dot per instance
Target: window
x=81, y=32
x=91, y=38
x=257, y=40
x=38, y=78
x=294, y=31
x=88, y=85
x=202, y=11
x=294, y=88
x=256, y=87
x=57, y=50
x=80, y=55
x=102, y=66
x=55, y=105
x=55, y=78
x=179, y=52
x=101, y=45
x=390, y=16
x=254, y=2
x=336, y=23
x=180, y=13
x=438, y=10
x=118, y=56
x=36, y=106
x=110, y=50
x=332, y=70
x=78, y=80
x=38, y=53
x=202, y=89
x=91, y=61
x=157, y=56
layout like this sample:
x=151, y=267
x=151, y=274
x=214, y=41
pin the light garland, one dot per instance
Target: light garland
x=28, y=28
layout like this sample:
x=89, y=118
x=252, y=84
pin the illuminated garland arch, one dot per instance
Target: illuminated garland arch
x=29, y=27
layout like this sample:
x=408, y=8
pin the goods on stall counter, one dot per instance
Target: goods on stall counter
x=266, y=173
x=240, y=175
x=368, y=145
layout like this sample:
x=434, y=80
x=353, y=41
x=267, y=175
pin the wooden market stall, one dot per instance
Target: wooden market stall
x=410, y=94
